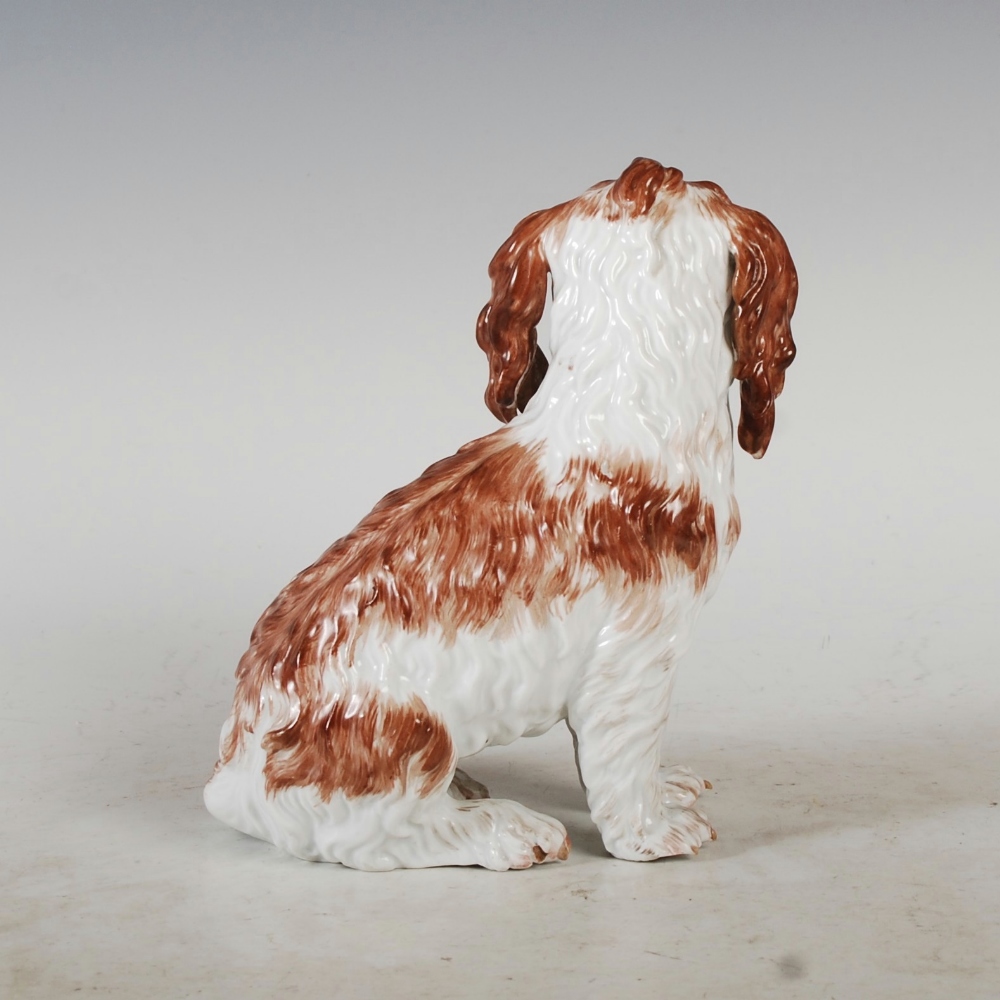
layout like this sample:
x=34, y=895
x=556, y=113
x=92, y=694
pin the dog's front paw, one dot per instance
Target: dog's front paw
x=681, y=786
x=673, y=830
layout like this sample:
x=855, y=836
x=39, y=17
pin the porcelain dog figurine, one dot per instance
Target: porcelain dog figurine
x=550, y=571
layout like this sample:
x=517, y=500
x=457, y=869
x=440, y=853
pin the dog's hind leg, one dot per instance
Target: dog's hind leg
x=392, y=800
x=403, y=830
x=493, y=833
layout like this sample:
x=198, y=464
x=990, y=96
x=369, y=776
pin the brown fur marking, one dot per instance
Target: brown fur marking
x=634, y=193
x=765, y=288
x=366, y=748
x=507, y=326
x=478, y=540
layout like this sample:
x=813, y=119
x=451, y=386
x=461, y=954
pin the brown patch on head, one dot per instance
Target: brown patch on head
x=765, y=288
x=507, y=326
x=479, y=542
x=362, y=746
x=634, y=193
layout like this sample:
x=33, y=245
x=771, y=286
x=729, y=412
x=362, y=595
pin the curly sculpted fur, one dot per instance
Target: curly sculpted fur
x=550, y=571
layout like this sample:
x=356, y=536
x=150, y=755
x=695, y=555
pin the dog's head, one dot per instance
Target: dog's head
x=764, y=288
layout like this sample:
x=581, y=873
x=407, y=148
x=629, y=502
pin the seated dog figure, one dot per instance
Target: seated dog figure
x=551, y=571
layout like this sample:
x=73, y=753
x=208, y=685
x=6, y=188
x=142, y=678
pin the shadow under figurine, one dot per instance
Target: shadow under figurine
x=550, y=571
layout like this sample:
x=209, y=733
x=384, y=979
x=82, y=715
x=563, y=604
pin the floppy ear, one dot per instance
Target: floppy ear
x=506, y=329
x=764, y=290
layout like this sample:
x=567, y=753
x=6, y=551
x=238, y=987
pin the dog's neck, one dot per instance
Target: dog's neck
x=640, y=363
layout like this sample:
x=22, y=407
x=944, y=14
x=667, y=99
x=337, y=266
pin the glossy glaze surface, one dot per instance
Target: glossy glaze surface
x=552, y=571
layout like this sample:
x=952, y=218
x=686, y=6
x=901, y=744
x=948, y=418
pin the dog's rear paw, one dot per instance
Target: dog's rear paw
x=509, y=835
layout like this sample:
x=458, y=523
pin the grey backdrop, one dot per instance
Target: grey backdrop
x=242, y=251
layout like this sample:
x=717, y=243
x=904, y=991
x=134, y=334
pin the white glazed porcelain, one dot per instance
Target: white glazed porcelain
x=551, y=571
